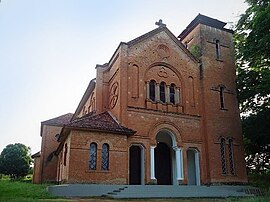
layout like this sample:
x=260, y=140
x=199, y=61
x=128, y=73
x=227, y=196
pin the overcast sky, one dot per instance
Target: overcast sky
x=49, y=50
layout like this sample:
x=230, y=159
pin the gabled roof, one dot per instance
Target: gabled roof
x=103, y=122
x=170, y=34
x=58, y=121
x=205, y=20
x=89, y=90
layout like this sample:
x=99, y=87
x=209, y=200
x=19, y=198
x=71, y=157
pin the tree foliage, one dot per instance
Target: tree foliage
x=252, y=40
x=15, y=160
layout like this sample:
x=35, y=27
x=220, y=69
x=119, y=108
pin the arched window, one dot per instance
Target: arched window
x=231, y=157
x=172, y=93
x=221, y=97
x=152, y=90
x=105, y=157
x=223, y=156
x=162, y=91
x=93, y=156
x=218, y=52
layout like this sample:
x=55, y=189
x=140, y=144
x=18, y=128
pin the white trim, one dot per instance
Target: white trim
x=197, y=165
x=152, y=162
x=179, y=170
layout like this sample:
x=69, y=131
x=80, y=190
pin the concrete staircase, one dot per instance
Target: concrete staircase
x=151, y=191
x=159, y=191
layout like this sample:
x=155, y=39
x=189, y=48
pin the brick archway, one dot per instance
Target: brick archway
x=169, y=135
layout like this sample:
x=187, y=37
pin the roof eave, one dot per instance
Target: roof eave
x=89, y=90
x=101, y=130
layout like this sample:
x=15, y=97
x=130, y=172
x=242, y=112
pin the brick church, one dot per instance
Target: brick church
x=163, y=110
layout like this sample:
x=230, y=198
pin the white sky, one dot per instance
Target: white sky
x=49, y=50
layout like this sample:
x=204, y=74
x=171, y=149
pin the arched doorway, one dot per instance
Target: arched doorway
x=165, y=167
x=163, y=164
x=193, y=165
x=136, y=165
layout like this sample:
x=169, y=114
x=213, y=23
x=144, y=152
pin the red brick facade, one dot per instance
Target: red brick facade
x=172, y=101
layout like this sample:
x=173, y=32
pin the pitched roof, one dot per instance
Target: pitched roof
x=104, y=122
x=205, y=20
x=85, y=97
x=35, y=155
x=58, y=121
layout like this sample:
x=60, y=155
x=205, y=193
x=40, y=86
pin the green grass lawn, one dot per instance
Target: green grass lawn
x=26, y=191
x=22, y=191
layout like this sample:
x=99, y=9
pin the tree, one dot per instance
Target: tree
x=15, y=160
x=252, y=39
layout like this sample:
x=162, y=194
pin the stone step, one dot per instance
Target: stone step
x=150, y=191
x=179, y=191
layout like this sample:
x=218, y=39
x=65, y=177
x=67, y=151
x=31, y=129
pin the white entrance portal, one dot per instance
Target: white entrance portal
x=193, y=165
x=166, y=159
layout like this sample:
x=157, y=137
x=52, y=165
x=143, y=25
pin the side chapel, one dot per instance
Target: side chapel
x=163, y=110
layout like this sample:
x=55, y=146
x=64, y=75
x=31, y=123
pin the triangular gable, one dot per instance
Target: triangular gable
x=169, y=33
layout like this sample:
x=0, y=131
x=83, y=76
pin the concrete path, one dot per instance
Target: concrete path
x=151, y=191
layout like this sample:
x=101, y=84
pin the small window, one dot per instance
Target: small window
x=152, y=90
x=105, y=157
x=223, y=156
x=231, y=161
x=218, y=53
x=221, y=96
x=172, y=93
x=93, y=156
x=162, y=87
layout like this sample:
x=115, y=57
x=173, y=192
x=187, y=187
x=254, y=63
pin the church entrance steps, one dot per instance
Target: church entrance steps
x=151, y=191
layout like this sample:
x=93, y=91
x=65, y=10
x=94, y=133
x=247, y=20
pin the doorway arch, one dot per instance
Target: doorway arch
x=136, y=164
x=165, y=164
x=193, y=165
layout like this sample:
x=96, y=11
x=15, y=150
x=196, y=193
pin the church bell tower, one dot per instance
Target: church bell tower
x=208, y=39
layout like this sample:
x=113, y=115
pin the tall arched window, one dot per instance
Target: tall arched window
x=223, y=155
x=93, y=156
x=231, y=160
x=218, y=52
x=152, y=90
x=221, y=97
x=162, y=87
x=172, y=93
x=105, y=157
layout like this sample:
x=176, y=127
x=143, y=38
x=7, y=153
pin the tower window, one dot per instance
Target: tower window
x=93, y=156
x=223, y=156
x=152, y=90
x=231, y=160
x=172, y=93
x=221, y=97
x=162, y=91
x=218, y=52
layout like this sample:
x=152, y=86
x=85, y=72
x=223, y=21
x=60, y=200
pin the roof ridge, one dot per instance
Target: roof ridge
x=139, y=38
x=55, y=119
x=113, y=117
